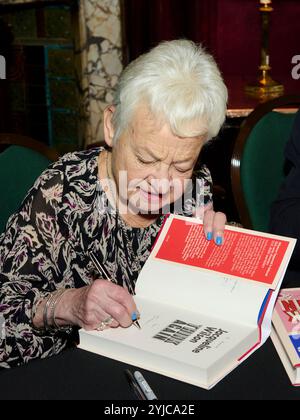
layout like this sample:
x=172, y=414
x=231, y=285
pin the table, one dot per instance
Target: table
x=76, y=374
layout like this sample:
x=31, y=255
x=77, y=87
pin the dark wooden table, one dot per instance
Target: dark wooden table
x=76, y=374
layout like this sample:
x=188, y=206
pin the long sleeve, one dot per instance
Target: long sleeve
x=285, y=212
x=30, y=267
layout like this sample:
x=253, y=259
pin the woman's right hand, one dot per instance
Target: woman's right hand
x=89, y=306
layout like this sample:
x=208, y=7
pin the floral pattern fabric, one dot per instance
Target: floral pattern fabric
x=47, y=245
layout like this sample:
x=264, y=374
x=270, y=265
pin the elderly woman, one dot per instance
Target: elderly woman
x=110, y=202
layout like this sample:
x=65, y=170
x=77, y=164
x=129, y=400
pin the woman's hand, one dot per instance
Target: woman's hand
x=89, y=306
x=214, y=223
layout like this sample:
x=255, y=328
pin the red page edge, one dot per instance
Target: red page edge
x=259, y=326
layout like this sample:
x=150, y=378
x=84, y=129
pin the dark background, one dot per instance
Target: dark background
x=230, y=29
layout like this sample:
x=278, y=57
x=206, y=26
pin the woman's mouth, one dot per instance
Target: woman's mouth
x=151, y=197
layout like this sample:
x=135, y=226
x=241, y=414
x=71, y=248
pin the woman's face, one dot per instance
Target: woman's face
x=149, y=163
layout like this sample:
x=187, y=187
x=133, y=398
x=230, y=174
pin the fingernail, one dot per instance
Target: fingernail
x=135, y=316
x=219, y=240
x=209, y=236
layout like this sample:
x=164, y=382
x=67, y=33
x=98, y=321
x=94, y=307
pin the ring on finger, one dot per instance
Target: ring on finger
x=106, y=323
x=101, y=327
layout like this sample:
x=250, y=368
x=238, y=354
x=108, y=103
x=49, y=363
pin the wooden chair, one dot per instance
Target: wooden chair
x=8, y=139
x=22, y=160
x=257, y=164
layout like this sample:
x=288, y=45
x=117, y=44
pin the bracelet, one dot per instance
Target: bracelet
x=58, y=297
x=49, y=310
x=36, y=307
x=65, y=329
x=49, y=320
x=47, y=328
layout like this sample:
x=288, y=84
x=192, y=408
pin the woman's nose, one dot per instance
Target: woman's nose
x=161, y=182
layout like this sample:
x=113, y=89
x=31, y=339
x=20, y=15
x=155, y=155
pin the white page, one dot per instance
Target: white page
x=192, y=290
x=166, y=342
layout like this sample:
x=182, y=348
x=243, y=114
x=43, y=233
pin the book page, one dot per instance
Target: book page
x=177, y=272
x=205, y=292
x=246, y=255
x=182, y=341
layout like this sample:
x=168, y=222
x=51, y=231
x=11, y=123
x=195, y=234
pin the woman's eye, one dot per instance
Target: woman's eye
x=183, y=171
x=145, y=162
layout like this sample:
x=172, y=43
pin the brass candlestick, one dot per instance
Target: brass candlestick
x=265, y=87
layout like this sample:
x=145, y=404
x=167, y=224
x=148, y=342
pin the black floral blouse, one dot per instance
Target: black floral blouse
x=47, y=243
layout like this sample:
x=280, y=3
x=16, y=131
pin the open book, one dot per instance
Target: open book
x=204, y=309
x=286, y=332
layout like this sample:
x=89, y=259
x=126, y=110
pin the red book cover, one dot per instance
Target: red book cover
x=252, y=256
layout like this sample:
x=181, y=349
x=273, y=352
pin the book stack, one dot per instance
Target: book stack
x=286, y=332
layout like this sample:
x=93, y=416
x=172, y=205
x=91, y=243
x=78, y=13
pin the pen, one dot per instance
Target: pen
x=144, y=386
x=102, y=271
x=140, y=386
x=133, y=384
x=99, y=266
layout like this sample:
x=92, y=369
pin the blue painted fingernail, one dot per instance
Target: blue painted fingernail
x=219, y=240
x=209, y=236
x=134, y=316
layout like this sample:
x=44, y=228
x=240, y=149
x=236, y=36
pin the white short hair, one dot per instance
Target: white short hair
x=181, y=84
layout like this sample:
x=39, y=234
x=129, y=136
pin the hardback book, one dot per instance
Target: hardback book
x=286, y=332
x=204, y=308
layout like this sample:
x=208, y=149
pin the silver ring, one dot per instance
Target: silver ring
x=101, y=327
x=106, y=323
x=109, y=320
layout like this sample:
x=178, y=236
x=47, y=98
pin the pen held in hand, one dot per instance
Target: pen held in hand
x=134, y=319
x=103, y=272
x=99, y=267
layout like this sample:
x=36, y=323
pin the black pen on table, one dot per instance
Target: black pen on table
x=102, y=271
x=140, y=386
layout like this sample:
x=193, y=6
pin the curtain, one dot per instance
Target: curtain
x=229, y=29
x=147, y=22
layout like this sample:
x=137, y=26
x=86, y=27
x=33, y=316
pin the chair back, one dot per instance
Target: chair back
x=20, y=166
x=257, y=165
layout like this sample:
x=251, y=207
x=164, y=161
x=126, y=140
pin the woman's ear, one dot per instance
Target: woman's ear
x=109, y=131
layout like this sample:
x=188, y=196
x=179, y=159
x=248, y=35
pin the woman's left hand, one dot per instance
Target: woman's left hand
x=214, y=223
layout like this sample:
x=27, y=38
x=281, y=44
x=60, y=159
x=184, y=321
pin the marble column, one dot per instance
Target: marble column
x=101, y=60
